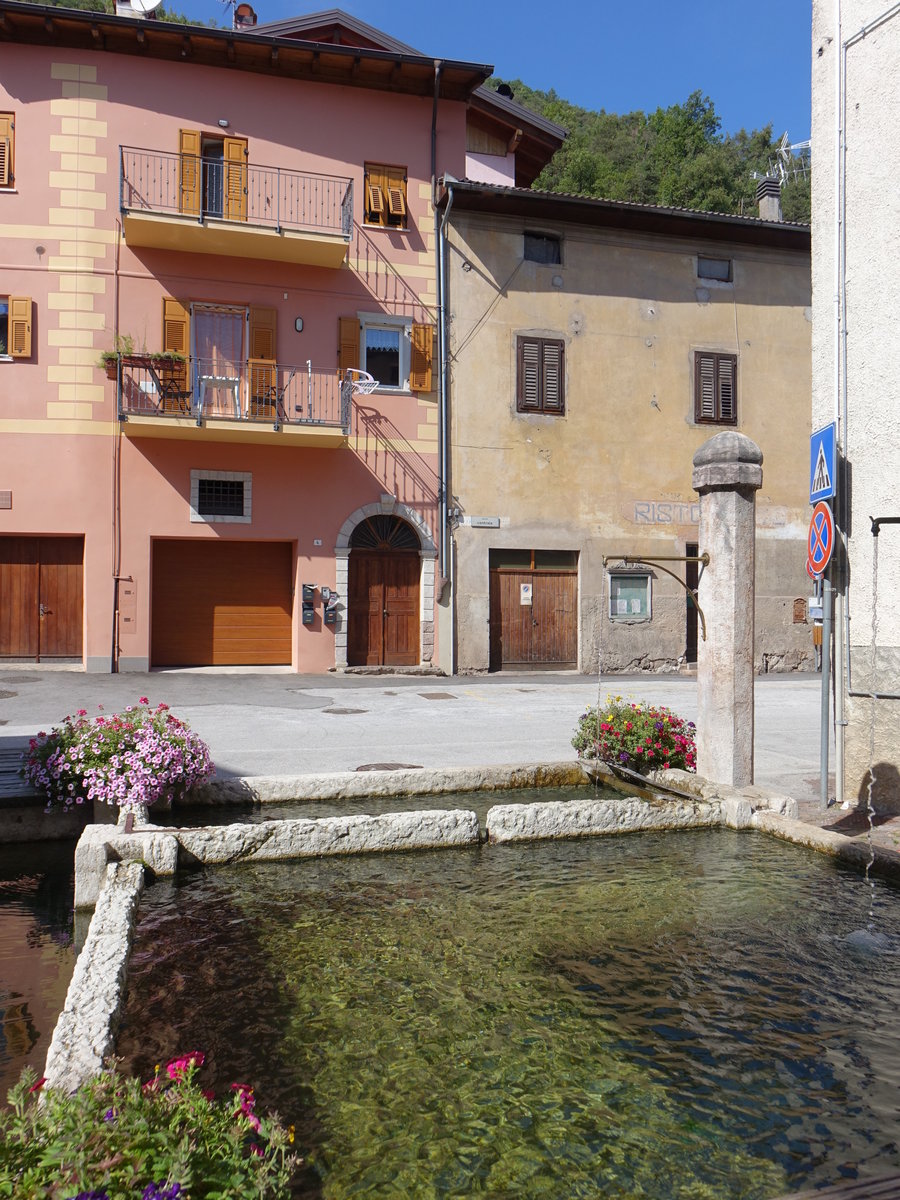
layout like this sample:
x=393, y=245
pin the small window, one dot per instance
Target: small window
x=541, y=372
x=7, y=150
x=543, y=248
x=629, y=596
x=15, y=326
x=382, y=353
x=384, y=196
x=221, y=496
x=533, y=560
x=714, y=268
x=715, y=388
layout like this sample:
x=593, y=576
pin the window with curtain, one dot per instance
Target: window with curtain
x=220, y=352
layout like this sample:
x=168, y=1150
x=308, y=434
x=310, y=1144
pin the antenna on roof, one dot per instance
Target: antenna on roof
x=136, y=8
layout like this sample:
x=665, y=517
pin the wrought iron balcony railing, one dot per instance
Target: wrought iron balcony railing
x=153, y=181
x=258, y=390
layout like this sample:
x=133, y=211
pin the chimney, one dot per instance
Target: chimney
x=244, y=17
x=768, y=196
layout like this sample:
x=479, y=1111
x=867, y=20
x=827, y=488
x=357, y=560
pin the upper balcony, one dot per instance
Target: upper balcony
x=259, y=400
x=217, y=206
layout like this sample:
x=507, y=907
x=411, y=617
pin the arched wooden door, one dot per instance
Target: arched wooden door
x=383, y=599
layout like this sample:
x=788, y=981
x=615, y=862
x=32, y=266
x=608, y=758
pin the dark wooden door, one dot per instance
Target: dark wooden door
x=540, y=634
x=41, y=597
x=383, y=601
x=691, y=577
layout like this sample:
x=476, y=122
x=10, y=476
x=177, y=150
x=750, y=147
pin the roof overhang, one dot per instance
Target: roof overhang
x=289, y=58
x=552, y=207
x=534, y=139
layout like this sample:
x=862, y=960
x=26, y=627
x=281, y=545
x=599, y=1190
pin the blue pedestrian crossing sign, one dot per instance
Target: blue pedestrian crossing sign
x=822, y=472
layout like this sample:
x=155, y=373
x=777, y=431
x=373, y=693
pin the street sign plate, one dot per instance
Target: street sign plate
x=822, y=471
x=821, y=539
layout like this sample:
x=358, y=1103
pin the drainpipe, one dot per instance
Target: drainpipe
x=446, y=552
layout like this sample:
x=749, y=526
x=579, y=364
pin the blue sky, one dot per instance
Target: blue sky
x=751, y=58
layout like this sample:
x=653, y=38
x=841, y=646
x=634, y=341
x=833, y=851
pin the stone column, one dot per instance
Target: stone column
x=727, y=474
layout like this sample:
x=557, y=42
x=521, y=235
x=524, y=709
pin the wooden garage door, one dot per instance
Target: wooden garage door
x=534, y=613
x=221, y=604
x=41, y=597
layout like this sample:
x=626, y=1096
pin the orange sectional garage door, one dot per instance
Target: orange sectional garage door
x=221, y=604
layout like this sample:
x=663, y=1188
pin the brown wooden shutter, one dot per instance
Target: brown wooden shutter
x=262, y=332
x=6, y=149
x=348, y=344
x=705, y=387
x=552, y=377
x=235, y=179
x=189, y=175
x=528, y=378
x=715, y=388
x=420, y=367
x=727, y=391
x=20, y=326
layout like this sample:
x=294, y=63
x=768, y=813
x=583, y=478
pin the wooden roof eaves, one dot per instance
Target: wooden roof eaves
x=615, y=214
x=35, y=24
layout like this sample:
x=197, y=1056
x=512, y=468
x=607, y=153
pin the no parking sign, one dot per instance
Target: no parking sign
x=820, y=543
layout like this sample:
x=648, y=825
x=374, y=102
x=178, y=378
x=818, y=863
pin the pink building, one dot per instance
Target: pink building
x=246, y=218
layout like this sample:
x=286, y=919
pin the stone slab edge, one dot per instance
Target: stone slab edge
x=164, y=850
x=589, y=818
x=425, y=781
x=86, y=1029
x=857, y=852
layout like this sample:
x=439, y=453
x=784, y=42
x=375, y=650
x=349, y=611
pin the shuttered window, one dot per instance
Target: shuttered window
x=715, y=388
x=385, y=196
x=7, y=149
x=541, y=372
x=15, y=326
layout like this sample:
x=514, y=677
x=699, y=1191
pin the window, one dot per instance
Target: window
x=394, y=350
x=384, y=196
x=221, y=496
x=540, y=381
x=714, y=268
x=715, y=388
x=212, y=175
x=15, y=327
x=7, y=149
x=543, y=248
x=629, y=596
x=533, y=560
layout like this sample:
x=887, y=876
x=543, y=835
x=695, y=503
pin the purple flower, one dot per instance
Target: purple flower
x=159, y=1191
x=97, y=1194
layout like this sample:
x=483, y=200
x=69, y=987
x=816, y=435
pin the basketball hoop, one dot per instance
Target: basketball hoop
x=363, y=383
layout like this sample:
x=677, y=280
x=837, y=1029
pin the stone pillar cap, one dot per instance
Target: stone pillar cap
x=728, y=460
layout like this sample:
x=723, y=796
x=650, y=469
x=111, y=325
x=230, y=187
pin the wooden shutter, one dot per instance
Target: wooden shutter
x=189, y=175
x=235, y=179
x=420, y=367
x=262, y=333
x=375, y=198
x=552, y=376
x=727, y=390
x=176, y=337
x=6, y=149
x=395, y=186
x=705, y=387
x=348, y=344
x=715, y=388
x=528, y=381
x=20, y=326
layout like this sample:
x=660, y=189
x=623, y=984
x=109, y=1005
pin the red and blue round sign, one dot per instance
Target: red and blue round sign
x=821, y=539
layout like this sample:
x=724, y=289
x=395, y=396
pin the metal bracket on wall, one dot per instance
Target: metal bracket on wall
x=628, y=560
x=877, y=523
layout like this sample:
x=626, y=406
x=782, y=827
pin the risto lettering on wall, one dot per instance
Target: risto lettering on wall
x=666, y=512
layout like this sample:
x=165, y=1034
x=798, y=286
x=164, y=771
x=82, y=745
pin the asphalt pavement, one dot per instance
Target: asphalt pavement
x=278, y=723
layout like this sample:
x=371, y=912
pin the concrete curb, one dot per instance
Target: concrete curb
x=885, y=863
x=85, y=1032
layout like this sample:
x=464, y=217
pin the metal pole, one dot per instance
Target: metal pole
x=827, y=600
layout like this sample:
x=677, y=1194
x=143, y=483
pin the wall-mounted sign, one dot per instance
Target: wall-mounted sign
x=525, y=593
x=484, y=522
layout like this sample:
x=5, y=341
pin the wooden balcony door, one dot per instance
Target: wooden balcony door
x=383, y=627
x=41, y=597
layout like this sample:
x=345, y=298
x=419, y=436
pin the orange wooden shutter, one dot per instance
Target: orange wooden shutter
x=422, y=341
x=176, y=337
x=189, y=189
x=236, y=179
x=348, y=344
x=20, y=326
x=262, y=333
x=6, y=149
x=395, y=186
x=374, y=201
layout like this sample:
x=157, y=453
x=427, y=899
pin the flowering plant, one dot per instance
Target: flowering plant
x=164, y=1140
x=640, y=736
x=132, y=758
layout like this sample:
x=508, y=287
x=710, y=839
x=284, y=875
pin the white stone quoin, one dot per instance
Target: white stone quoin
x=727, y=475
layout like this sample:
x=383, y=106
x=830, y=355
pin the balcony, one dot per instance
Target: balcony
x=257, y=401
x=208, y=206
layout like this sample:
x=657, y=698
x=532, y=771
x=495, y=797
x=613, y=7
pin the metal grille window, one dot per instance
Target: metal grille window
x=543, y=248
x=221, y=496
x=715, y=388
x=541, y=371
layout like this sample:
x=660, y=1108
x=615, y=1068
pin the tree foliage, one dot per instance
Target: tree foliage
x=675, y=157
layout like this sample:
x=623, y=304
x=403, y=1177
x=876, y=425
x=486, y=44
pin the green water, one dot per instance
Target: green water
x=672, y=1016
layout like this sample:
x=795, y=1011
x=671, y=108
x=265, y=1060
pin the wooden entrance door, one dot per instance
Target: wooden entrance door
x=41, y=597
x=539, y=634
x=383, y=626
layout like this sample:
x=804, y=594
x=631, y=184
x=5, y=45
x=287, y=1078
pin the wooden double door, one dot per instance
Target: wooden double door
x=534, y=619
x=383, y=600
x=41, y=597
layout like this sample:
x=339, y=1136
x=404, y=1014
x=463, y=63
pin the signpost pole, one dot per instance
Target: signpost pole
x=827, y=600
